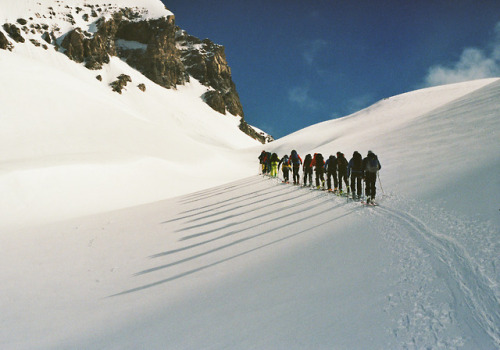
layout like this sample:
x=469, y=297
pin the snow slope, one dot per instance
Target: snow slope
x=259, y=264
x=65, y=134
x=437, y=143
x=219, y=257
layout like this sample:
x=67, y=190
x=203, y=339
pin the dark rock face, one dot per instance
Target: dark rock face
x=158, y=58
x=14, y=32
x=158, y=48
x=247, y=129
x=162, y=52
x=207, y=62
x=91, y=51
x=215, y=100
x=5, y=44
x=46, y=37
x=120, y=83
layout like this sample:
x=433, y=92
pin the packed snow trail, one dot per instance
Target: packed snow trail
x=475, y=302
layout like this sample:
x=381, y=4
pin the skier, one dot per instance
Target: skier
x=355, y=172
x=286, y=167
x=371, y=166
x=319, y=166
x=262, y=161
x=296, y=163
x=331, y=171
x=274, y=165
x=342, y=171
x=307, y=169
x=267, y=165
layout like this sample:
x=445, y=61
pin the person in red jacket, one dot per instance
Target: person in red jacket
x=319, y=166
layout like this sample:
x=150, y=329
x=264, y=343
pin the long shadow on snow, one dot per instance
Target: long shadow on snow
x=260, y=216
x=262, y=206
x=226, y=203
x=190, y=272
x=241, y=240
x=226, y=186
x=204, y=195
x=238, y=231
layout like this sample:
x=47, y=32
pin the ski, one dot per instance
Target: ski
x=369, y=204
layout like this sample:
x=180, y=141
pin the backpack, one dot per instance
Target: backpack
x=372, y=164
x=286, y=161
x=341, y=162
x=357, y=163
x=332, y=164
x=307, y=161
x=295, y=158
x=319, y=160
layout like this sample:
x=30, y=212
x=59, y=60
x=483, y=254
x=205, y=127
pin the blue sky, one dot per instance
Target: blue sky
x=297, y=63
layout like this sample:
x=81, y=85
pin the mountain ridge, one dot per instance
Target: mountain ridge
x=148, y=40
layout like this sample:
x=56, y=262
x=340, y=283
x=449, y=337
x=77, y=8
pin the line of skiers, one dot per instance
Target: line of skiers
x=336, y=167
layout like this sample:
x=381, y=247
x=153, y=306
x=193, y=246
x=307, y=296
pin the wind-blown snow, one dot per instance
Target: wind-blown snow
x=221, y=257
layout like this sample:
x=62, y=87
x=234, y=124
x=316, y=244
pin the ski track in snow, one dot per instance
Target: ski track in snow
x=473, y=296
x=426, y=247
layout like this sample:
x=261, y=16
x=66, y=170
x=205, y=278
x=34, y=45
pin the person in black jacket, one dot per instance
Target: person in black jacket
x=308, y=171
x=342, y=171
x=331, y=171
x=296, y=162
x=355, y=172
x=371, y=166
x=319, y=167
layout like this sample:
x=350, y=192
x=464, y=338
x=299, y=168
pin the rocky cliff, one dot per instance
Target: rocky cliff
x=158, y=48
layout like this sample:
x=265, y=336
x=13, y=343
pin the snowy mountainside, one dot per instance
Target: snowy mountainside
x=70, y=146
x=251, y=263
x=434, y=140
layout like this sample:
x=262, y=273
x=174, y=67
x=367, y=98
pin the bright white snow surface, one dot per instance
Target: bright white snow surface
x=223, y=258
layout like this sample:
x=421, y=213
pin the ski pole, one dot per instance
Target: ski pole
x=380, y=183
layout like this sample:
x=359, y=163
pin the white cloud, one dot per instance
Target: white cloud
x=474, y=63
x=313, y=49
x=300, y=95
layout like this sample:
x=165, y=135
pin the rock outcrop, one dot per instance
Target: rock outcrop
x=5, y=44
x=14, y=32
x=158, y=48
x=207, y=62
x=148, y=46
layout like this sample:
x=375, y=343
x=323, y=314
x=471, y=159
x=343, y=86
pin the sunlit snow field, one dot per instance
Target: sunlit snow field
x=140, y=220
